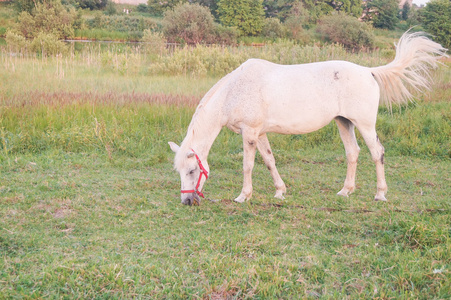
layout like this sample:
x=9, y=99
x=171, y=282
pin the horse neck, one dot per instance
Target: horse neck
x=202, y=131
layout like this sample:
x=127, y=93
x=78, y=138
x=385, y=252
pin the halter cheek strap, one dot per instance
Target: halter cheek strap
x=202, y=172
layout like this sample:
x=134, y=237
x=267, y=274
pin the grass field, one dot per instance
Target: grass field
x=90, y=205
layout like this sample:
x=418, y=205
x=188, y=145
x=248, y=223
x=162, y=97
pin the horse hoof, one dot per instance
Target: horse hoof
x=343, y=193
x=240, y=199
x=380, y=198
x=279, y=195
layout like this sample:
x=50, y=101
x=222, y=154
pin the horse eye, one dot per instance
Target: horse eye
x=192, y=171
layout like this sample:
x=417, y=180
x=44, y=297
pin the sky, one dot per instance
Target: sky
x=420, y=2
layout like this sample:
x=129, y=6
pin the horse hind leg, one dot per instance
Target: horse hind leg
x=347, y=134
x=377, y=154
x=264, y=148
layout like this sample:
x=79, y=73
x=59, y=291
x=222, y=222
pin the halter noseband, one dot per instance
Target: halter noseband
x=202, y=172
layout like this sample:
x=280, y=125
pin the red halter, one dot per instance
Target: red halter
x=202, y=172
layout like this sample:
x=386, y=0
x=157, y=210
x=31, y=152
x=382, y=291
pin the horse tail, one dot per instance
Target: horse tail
x=415, y=56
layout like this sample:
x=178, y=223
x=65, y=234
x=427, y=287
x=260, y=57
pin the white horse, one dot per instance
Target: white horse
x=260, y=97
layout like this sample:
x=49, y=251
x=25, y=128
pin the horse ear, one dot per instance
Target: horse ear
x=174, y=146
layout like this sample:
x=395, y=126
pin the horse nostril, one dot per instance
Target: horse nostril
x=187, y=201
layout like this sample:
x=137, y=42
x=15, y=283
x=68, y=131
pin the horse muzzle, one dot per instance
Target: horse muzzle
x=190, y=199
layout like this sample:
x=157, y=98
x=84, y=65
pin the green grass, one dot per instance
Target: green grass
x=82, y=225
x=90, y=204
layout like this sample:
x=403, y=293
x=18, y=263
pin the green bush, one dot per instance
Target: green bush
x=26, y=5
x=121, y=23
x=273, y=29
x=26, y=25
x=47, y=44
x=436, y=17
x=225, y=35
x=295, y=30
x=142, y=7
x=16, y=43
x=198, y=61
x=111, y=8
x=158, y=7
x=50, y=17
x=155, y=42
x=189, y=23
x=92, y=4
x=118, y=27
x=347, y=31
x=46, y=25
x=297, y=17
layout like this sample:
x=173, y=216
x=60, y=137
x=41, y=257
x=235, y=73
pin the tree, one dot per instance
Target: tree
x=350, y=7
x=436, y=18
x=246, y=15
x=191, y=23
x=158, y=7
x=318, y=8
x=414, y=17
x=93, y=4
x=405, y=11
x=297, y=17
x=278, y=8
x=382, y=13
x=26, y=5
x=211, y=4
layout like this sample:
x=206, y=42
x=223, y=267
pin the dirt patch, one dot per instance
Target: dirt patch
x=61, y=213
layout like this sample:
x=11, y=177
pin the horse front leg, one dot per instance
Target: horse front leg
x=264, y=148
x=250, y=140
x=347, y=134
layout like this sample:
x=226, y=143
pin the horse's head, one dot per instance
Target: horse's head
x=193, y=174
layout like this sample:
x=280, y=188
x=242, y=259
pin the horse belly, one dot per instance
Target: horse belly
x=302, y=113
x=297, y=122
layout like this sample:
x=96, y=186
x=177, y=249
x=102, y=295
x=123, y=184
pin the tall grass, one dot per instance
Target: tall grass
x=112, y=100
x=211, y=60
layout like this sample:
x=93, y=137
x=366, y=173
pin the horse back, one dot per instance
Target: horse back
x=302, y=98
